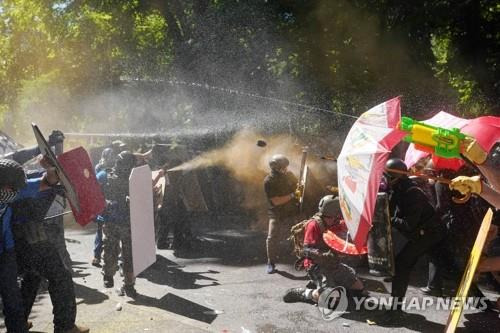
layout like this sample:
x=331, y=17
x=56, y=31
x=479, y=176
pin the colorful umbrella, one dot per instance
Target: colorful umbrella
x=361, y=163
x=486, y=130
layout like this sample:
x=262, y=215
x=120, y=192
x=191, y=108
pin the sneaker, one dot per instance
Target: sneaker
x=78, y=329
x=108, y=281
x=270, y=268
x=437, y=292
x=128, y=290
x=294, y=295
x=96, y=262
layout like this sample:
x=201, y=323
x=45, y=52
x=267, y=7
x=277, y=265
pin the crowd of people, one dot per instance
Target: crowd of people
x=425, y=212
x=32, y=243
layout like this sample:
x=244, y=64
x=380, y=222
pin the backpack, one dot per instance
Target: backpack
x=297, y=232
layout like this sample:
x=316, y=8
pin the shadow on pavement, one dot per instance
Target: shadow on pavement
x=166, y=272
x=415, y=322
x=234, y=247
x=178, y=305
x=89, y=295
x=485, y=321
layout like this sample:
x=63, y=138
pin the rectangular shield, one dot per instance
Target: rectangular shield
x=142, y=218
x=65, y=181
x=79, y=170
x=380, y=249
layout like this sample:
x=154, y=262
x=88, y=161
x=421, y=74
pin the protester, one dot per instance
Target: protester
x=106, y=163
x=282, y=194
x=415, y=218
x=489, y=165
x=324, y=268
x=117, y=224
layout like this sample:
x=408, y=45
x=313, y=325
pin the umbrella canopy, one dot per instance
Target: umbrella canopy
x=486, y=130
x=361, y=163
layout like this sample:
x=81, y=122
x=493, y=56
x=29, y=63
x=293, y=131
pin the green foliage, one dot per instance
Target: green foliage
x=336, y=54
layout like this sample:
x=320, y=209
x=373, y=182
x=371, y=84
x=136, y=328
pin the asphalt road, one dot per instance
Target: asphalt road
x=221, y=286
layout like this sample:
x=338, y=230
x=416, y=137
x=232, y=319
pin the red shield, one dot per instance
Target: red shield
x=78, y=168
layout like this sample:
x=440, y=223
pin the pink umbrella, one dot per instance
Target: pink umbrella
x=486, y=130
x=361, y=163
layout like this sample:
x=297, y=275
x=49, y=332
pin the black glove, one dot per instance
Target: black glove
x=56, y=137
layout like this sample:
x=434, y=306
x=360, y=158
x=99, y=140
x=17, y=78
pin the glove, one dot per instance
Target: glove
x=465, y=185
x=55, y=137
x=473, y=151
x=299, y=191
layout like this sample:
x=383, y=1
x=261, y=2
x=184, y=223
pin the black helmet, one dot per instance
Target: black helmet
x=278, y=162
x=493, y=158
x=125, y=162
x=12, y=174
x=329, y=206
x=395, y=164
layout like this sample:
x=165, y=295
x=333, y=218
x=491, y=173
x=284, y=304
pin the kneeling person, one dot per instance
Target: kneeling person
x=323, y=266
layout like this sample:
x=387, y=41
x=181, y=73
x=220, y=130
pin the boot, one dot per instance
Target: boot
x=96, y=262
x=128, y=290
x=108, y=281
x=78, y=329
x=295, y=295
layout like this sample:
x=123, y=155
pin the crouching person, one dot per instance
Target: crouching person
x=323, y=266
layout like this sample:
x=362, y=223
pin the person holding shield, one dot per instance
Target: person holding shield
x=415, y=217
x=323, y=266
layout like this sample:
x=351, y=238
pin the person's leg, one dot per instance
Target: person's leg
x=29, y=289
x=98, y=244
x=271, y=244
x=13, y=309
x=406, y=260
x=111, y=250
x=61, y=288
x=128, y=268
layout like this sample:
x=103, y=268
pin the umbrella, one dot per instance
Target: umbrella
x=486, y=130
x=361, y=163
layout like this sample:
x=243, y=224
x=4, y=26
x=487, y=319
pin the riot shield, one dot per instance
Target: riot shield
x=380, y=250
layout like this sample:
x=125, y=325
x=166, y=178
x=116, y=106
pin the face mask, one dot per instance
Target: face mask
x=7, y=196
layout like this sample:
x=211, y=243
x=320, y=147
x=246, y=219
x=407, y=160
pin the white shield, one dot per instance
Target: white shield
x=142, y=219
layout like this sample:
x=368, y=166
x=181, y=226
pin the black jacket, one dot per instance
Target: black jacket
x=412, y=213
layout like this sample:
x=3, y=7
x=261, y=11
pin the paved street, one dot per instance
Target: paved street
x=220, y=287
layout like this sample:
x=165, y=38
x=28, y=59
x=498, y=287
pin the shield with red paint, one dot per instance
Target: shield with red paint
x=486, y=130
x=361, y=163
x=80, y=172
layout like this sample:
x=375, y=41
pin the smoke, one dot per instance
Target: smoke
x=247, y=162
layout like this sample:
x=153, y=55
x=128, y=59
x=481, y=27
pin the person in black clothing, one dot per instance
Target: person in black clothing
x=413, y=216
x=281, y=191
x=117, y=233
x=38, y=258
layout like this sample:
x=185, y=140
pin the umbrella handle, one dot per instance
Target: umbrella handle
x=462, y=200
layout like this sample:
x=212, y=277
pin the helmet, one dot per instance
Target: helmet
x=12, y=174
x=329, y=206
x=494, y=155
x=108, y=158
x=125, y=162
x=278, y=161
x=395, y=164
